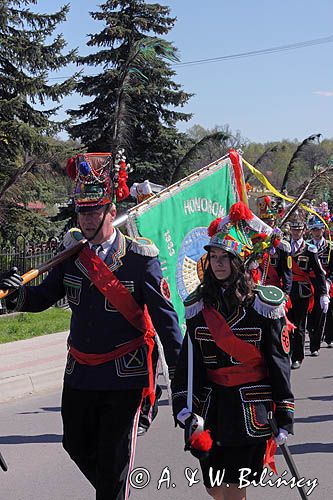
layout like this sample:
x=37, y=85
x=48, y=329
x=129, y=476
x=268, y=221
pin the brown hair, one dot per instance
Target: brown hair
x=238, y=288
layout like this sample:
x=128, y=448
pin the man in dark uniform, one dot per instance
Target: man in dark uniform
x=324, y=248
x=275, y=267
x=111, y=286
x=308, y=284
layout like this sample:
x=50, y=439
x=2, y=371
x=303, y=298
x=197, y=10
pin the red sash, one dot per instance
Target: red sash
x=300, y=276
x=118, y=295
x=331, y=291
x=252, y=369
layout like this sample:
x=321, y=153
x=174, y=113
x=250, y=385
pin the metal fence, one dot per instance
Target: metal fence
x=26, y=255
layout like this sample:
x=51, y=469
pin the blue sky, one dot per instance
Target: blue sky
x=286, y=95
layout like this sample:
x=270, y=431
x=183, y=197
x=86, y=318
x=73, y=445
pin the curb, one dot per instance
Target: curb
x=31, y=383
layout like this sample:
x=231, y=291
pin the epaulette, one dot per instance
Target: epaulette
x=269, y=301
x=285, y=246
x=311, y=247
x=143, y=246
x=193, y=304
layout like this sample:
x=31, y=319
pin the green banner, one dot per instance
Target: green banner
x=177, y=219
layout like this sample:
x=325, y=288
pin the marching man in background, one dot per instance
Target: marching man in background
x=309, y=285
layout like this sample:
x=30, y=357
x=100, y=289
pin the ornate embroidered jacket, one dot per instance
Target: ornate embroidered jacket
x=325, y=255
x=97, y=327
x=237, y=415
x=307, y=260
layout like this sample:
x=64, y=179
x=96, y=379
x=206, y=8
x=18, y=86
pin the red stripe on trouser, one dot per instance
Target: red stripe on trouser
x=132, y=450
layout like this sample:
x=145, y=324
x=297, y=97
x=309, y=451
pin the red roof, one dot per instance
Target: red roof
x=33, y=205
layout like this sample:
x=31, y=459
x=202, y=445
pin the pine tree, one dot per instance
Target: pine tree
x=134, y=97
x=28, y=53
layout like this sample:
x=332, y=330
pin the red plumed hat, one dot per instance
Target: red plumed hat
x=100, y=179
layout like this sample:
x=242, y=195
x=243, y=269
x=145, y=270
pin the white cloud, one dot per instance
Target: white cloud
x=325, y=93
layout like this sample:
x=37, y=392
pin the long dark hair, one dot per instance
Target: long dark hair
x=238, y=288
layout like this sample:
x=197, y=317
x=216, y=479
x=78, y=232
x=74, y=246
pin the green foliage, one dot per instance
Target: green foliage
x=27, y=55
x=47, y=183
x=135, y=102
x=205, y=146
x=273, y=160
x=34, y=226
x=29, y=51
x=28, y=325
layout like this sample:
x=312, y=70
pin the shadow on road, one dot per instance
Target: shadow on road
x=321, y=398
x=322, y=378
x=46, y=409
x=315, y=398
x=39, y=438
x=163, y=402
x=301, y=449
x=313, y=419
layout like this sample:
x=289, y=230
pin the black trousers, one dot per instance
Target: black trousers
x=98, y=436
x=316, y=325
x=297, y=315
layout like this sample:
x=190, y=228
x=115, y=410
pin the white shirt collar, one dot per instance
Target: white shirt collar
x=297, y=242
x=296, y=245
x=319, y=243
x=106, y=245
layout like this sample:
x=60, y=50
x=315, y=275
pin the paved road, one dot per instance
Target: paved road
x=30, y=430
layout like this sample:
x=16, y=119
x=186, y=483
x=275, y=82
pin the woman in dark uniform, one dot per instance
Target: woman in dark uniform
x=241, y=367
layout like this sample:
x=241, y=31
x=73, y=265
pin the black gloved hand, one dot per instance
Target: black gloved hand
x=10, y=280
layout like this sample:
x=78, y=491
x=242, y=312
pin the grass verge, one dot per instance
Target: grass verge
x=28, y=325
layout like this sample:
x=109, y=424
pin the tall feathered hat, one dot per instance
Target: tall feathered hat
x=297, y=220
x=317, y=221
x=270, y=207
x=99, y=179
x=241, y=232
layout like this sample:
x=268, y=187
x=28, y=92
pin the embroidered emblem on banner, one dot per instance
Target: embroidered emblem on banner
x=165, y=290
x=191, y=261
x=285, y=341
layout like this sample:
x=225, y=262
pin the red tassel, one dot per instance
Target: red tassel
x=238, y=175
x=261, y=236
x=71, y=168
x=240, y=211
x=122, y=190
x=213, y=227
x=256, y=275
x=271, y=447
x=267, y=200
x=201, y=441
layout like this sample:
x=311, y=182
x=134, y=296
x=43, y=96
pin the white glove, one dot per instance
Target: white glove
x=183, y=415
x=72, y=237
x=324, y=303
x=282, y=437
